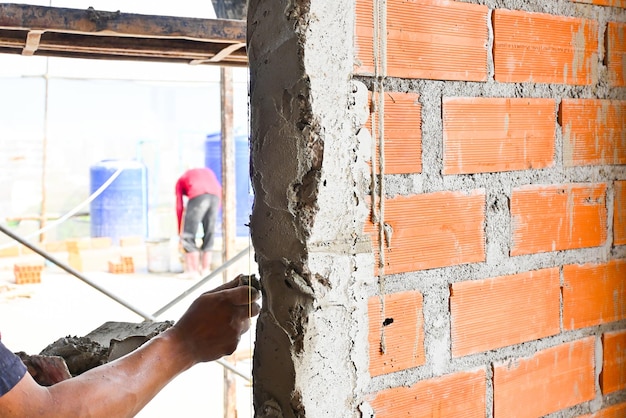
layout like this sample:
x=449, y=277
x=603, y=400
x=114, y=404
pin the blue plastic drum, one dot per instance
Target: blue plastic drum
x=121, y=210
x=243, y=188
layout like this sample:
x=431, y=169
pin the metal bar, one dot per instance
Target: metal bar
x=44, y=148
x=229, y=186
x=137, y=57
x=228, y=209
x=201, y=282
x=77, y=274
x=233, y=369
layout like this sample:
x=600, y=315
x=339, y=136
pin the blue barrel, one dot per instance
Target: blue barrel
x=243, y=188
x=121, y=210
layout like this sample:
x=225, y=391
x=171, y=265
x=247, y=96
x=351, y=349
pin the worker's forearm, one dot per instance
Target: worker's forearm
x=209, y=329
x=123, y=387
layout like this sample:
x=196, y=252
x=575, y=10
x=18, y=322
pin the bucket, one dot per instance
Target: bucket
x=158, y=255
x=243, y=188
x=121, y=210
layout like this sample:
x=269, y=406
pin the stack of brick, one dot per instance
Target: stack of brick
x=125, y=265
x=85, y=254
x=27, y=273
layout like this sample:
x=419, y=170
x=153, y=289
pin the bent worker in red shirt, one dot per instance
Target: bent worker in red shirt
x=203, y=194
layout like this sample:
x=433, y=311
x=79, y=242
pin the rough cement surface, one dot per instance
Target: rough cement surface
x=104, y=344
x=45, y=370
x=280, y=113
x=307, y=167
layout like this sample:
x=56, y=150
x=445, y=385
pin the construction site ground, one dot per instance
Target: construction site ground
x=34, y=315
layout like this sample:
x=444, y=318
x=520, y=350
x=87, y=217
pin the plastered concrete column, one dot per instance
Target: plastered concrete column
x=310, y=177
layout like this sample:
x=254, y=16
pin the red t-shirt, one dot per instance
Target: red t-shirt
x=193, y=183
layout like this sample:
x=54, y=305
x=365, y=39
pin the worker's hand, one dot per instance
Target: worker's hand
x=213, y=324
x=237, y=281
x=210, y=329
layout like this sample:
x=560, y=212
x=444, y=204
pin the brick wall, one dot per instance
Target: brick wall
x=499, y=221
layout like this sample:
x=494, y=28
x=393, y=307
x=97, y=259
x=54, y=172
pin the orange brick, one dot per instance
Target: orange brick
x=437, y=39
x=551, y=380
x=397, y=325
x=457, y=395
x=593, y=131
x=55, y=246
x=619, y=214
x=115, y=267
x=594, y=294
x=130, y=241
x=12, y=251
x=364, y=37
x=402, y=134
x=614, y=3
x=75, y=260
x=554, y=218
x=447, y=229
x=88, y=260
x=544, y=48
x=506, y=310
x=616, y=53
x=27, y=273
x=125, y=265
x=23, y=250
x=100, y=242
x=492, y=134
x=128, y=264
x=615, y=411
x=76, y=245
x=613, y=377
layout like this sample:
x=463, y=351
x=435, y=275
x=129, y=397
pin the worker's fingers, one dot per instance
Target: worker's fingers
x=229, y=285
x=242, y=295
x=254, y=309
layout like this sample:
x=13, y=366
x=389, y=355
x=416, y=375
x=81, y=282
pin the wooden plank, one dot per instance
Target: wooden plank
x=167, y=48
x=63, y=32
x=16, y=16
x=135, y=57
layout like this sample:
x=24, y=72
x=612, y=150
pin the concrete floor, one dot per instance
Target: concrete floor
x=35, y=315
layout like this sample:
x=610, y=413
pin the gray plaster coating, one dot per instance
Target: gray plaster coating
x=559, y=7
x=310, y=179
x=596, y=404
x=278, y=105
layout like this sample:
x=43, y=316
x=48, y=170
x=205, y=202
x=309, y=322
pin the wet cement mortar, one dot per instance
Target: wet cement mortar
x=73, y=355
x=310, y=173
